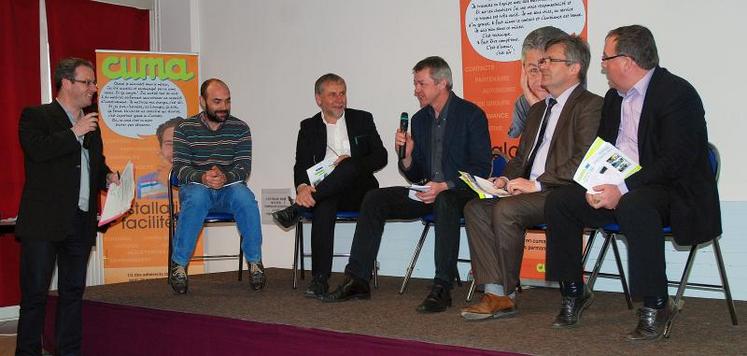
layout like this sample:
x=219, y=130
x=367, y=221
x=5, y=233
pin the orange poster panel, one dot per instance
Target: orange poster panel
x=492, y=35
x=493, y=32
x=138, y=92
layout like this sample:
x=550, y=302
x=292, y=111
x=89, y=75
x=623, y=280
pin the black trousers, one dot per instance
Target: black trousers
x=393, y=203
x=342, y=190
x=641, y=215
x=37, y=264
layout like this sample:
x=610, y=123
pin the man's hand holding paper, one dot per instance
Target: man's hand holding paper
x=518, y=186
x=430, y=195
x=605, y=196
x=120, y=195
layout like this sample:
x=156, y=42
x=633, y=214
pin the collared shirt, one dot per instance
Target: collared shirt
x=438, y=129
x=85, y=188
x=630, y=117
x=338, y=143
x=538, y=166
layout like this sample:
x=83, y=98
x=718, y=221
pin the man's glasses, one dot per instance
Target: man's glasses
x=86, y=82
x=548, y=60
x=604, y=59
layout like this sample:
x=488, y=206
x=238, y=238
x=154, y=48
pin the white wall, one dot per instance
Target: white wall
x=270, y=53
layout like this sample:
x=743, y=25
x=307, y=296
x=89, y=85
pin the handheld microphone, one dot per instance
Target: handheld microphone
x=403, y=122
x=94, y=107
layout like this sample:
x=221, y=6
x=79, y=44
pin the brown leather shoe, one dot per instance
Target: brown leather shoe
x=490, y=307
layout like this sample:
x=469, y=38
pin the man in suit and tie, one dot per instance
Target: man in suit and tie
x=346, y=138
x=449, y=134
x=559, y=131
x=657, y=119
x=65, y=171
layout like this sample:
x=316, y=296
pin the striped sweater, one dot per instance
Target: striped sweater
x=197, y=149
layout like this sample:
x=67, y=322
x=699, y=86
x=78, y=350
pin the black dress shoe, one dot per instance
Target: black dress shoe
x=351, y=288
x=653, y=324
x=437, y=301
x=317, y=288
x=571, y=309
x=287, y=217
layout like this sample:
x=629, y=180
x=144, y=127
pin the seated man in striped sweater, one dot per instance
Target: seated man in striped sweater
x=213, y=159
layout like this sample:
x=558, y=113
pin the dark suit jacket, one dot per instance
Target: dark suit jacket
x=52, y=166
x=366, y=149
x=673, y=151
x=576, y=130
x=466, y=143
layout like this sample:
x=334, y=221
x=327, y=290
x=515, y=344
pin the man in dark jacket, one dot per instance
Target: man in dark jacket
x=65, y=171
x=347, y=140
x=656, y=119
x=449, y=134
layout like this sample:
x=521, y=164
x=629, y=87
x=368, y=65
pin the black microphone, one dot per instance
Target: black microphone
x=94, y=107
x=403, y=122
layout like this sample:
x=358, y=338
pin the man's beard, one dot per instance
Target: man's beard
x=213, y=115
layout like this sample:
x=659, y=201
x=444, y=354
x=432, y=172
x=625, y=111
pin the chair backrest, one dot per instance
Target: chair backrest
x=714, y=158
x=499, y=164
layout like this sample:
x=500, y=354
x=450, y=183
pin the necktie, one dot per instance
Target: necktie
x=540, y=137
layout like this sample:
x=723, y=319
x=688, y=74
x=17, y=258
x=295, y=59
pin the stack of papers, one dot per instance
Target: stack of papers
x=604, y=164
x=319, y=171
x=119, y=197
x=414, y=189
x=483, y=187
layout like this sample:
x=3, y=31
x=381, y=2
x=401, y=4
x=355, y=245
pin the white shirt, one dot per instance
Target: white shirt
x=538, y=167
x=338, y=143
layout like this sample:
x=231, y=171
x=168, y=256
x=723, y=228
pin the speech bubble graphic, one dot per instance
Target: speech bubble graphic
x=135, y=107
x=496, y=28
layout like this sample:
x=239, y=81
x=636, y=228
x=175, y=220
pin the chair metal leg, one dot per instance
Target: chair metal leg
x=685, y=275
x=724, y=281
x=301, y=250
x=168, y=257
x=598, y=264
x=589, y=244
x=471, y=291
x=376, y=273
x=296, y=256
x=621, y=272
x=414, y=259
x=241, y=258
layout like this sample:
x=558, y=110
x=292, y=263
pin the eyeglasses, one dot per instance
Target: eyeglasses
x=548, y=60
x=604, y=59
x=86, y=82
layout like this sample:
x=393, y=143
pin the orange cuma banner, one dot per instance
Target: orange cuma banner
x=493, y=32
x=138, y=93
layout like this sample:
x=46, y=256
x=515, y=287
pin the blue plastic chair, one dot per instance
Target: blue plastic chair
x=610, y=232
x=209, y=219
x=298, y=250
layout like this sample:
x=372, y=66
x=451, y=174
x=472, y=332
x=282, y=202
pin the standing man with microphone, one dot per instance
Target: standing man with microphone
x=347, y=137
x=449, y=134
x=57, y=217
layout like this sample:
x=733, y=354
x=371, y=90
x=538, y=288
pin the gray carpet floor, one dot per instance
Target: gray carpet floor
x=703, y=327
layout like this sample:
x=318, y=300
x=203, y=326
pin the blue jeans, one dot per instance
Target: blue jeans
x=197, y=201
